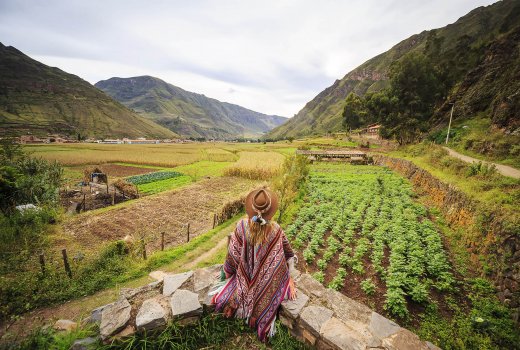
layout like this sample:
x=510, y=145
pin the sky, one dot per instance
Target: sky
x=271, y=56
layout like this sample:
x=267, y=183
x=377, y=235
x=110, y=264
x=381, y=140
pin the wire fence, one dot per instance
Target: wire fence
x=142, y=246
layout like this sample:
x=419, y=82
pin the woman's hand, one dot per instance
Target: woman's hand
x=292, y=289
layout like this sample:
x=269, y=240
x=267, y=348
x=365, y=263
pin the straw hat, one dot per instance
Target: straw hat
x=262, y=202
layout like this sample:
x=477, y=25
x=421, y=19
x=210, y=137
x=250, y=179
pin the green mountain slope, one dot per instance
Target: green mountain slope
x=467, y=47
x=187, y=113
x=40, y=99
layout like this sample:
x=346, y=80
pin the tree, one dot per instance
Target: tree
x=354, y=112
x=406, y=107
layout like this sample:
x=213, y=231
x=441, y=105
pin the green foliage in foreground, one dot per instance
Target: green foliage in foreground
x=487, y=325
x=165, y=185
x=367, y=210
x=27, y=287
x=212, y=331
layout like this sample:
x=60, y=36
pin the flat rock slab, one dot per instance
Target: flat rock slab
x=151, y=315
x=185, y=303
x=345, y=308
x=205, y=278
x=292, y=308
x=158, y=275
x=315, y=316
x=114, y=318
x=335, y=332
x=65, y=325
x=174, y=282
x=145, y=291
x=309, y=285
x=84, y=344
x=404, y=340
x=382, y=327
x=95, y=316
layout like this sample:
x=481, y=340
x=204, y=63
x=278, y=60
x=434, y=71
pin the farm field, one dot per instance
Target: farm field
x=360, y=232
x=168, y=212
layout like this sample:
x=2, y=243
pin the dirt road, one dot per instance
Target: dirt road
x=502, y=169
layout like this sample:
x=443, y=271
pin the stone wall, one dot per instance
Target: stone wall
x=320, y=317
x=494, y=237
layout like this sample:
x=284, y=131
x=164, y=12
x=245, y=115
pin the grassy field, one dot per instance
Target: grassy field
x=256, y=165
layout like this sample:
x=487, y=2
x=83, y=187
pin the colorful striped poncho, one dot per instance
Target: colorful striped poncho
x=259, y=278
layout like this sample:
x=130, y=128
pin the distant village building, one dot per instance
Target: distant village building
x=140, y=141
x=31, y=139
x=372, y=131
x=110, y=142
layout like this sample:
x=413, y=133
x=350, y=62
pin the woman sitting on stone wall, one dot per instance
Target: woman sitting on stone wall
x=257, y=267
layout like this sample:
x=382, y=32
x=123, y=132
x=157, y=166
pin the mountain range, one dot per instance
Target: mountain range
x=187, y=113
x=38, y=99
x=481, y=51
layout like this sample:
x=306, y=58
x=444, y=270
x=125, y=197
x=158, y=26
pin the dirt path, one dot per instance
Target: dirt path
x=502, y=169
x=205, y=256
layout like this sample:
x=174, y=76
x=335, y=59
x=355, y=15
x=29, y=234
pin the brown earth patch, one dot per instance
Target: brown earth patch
x=124, y=170
x=168, y=212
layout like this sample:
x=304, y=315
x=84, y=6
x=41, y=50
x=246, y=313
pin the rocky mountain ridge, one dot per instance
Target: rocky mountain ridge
x=468, y=47
x=38, y=99
x=187, y=113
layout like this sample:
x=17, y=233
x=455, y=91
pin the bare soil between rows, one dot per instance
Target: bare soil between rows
x=352, y=286
x=168, y=212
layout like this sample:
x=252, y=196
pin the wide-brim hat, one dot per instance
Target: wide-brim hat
x=261, y=201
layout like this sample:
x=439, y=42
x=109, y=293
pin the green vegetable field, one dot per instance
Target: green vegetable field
x=152, y=177
x=360, y=223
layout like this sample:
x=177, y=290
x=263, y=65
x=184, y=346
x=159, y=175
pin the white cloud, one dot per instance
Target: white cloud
x=270, y=56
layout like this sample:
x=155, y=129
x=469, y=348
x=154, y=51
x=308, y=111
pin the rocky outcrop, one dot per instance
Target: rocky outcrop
x=320, y=317
x=493, y=237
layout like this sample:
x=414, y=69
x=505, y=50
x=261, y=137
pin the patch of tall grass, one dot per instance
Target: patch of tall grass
x=257, y=165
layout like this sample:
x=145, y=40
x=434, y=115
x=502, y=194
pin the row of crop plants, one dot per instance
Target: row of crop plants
x=363, y=211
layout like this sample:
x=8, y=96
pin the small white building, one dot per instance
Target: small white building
x=110, y=141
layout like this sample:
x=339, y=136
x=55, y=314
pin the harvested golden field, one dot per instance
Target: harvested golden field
x=169, y=212
x=256, y=165
x=167, y=155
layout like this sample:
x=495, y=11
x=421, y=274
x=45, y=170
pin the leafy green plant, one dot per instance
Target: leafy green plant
x=368, y=286
x=152, y=177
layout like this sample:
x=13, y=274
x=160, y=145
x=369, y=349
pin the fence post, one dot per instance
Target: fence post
x=66, y=262
x=144, y=248
x=42, y=262
x=107, y=184
x=114, y=196
x=162, y=240
x=188, y=232
x=214, y=220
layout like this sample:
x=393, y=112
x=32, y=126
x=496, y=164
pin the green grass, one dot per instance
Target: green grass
x=203, y=168
x=212, y=331
x=165, y=185
x=477, y=138
x=191, y=173
x=111, y=267
x=493, y=190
